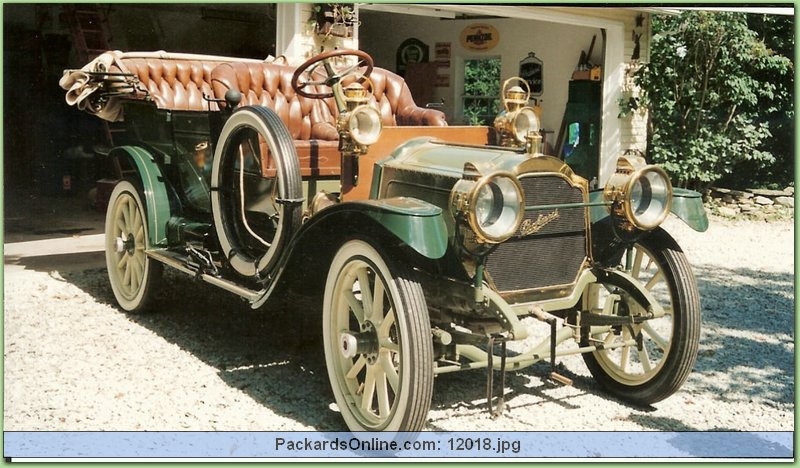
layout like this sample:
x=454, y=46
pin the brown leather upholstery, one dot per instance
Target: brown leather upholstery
x=182, y=81
x=173, y=84
x=395, y=103
x=181, y=84
x=269, y=84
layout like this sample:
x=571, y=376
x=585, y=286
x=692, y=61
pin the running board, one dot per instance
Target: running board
x=177, y=261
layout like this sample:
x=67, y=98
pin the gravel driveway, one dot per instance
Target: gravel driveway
x=205, y=361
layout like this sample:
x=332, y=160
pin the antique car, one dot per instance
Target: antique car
x=428, y=248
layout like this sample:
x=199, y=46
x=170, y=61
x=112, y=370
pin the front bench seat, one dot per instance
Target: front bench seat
x=270, y=85
x=393, y=98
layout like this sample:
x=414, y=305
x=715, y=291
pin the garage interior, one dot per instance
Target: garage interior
x=50, y=163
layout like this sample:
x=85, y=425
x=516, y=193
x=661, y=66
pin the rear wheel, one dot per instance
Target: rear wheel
x=377, y=339
x=666, y=347
x=133, y=275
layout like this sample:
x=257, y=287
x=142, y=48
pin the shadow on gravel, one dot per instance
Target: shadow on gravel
x=660, y=423
x=63, y=263
x=465, y=394
x=747, y=343
x=275, y=356
x=734, y=444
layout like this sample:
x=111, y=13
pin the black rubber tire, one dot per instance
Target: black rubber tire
x=674, y=367
x=134, y=277
x=250, y=262
x=402, y=372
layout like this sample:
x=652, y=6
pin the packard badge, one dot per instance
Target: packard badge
x=532, y=226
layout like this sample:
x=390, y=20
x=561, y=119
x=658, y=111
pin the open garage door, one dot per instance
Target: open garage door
x=557, y=37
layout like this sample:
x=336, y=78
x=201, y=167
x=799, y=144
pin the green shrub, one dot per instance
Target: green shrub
x=712, y=89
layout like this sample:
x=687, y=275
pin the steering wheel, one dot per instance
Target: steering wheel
x=329, y=75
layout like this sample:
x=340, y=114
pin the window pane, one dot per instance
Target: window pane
x=481, y=90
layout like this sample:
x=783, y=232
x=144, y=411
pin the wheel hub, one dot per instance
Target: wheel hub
x=352, y=344
x=124, y=245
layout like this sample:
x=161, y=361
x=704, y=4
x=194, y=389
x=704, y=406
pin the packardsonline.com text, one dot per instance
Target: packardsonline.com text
x=366, y=446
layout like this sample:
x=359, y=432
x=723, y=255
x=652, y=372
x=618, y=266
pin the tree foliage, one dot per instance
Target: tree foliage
x=777, y=32
x=710, y=88
x=481, y=90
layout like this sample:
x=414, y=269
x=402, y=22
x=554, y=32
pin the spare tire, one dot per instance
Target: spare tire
x=256, y=190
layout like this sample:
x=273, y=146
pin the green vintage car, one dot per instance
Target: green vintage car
x=428, y=248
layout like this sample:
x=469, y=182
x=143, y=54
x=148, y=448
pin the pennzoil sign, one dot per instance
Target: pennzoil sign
x=480, y=36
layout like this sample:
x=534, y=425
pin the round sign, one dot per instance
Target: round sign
x=481, y=36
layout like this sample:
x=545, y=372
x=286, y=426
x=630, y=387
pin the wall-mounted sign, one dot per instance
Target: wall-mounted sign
x=480, y=36
x=411, y=51
x=442, y=54
x=530, y=70
x=442, y=59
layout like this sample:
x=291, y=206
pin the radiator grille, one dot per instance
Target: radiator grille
x=554, y=254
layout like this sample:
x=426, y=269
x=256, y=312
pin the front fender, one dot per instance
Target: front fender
x=632, y=286
x=419, y=224
x=156, y=198
x=686, y=205
x=409, y=221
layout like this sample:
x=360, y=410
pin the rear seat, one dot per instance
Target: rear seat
x=184, y=82
x=172, y=81
x=173, y=84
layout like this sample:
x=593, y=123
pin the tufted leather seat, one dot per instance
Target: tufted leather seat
x=185, y=82
x=395, y=103
x=173, y=84
x=198, y=83
x=269, y=84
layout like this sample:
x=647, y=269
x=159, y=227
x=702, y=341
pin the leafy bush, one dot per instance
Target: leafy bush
x=711, y=90
x=481, y=90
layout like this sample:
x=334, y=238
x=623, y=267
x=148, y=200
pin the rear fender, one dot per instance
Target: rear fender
x=156, y=198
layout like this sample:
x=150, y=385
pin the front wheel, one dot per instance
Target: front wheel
x=133, y=275
x=666, y=347
x=377, y=338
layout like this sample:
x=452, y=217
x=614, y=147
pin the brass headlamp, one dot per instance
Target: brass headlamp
x=640, y=194
x=491, y=205
x=518, y=125
x=360, y=124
